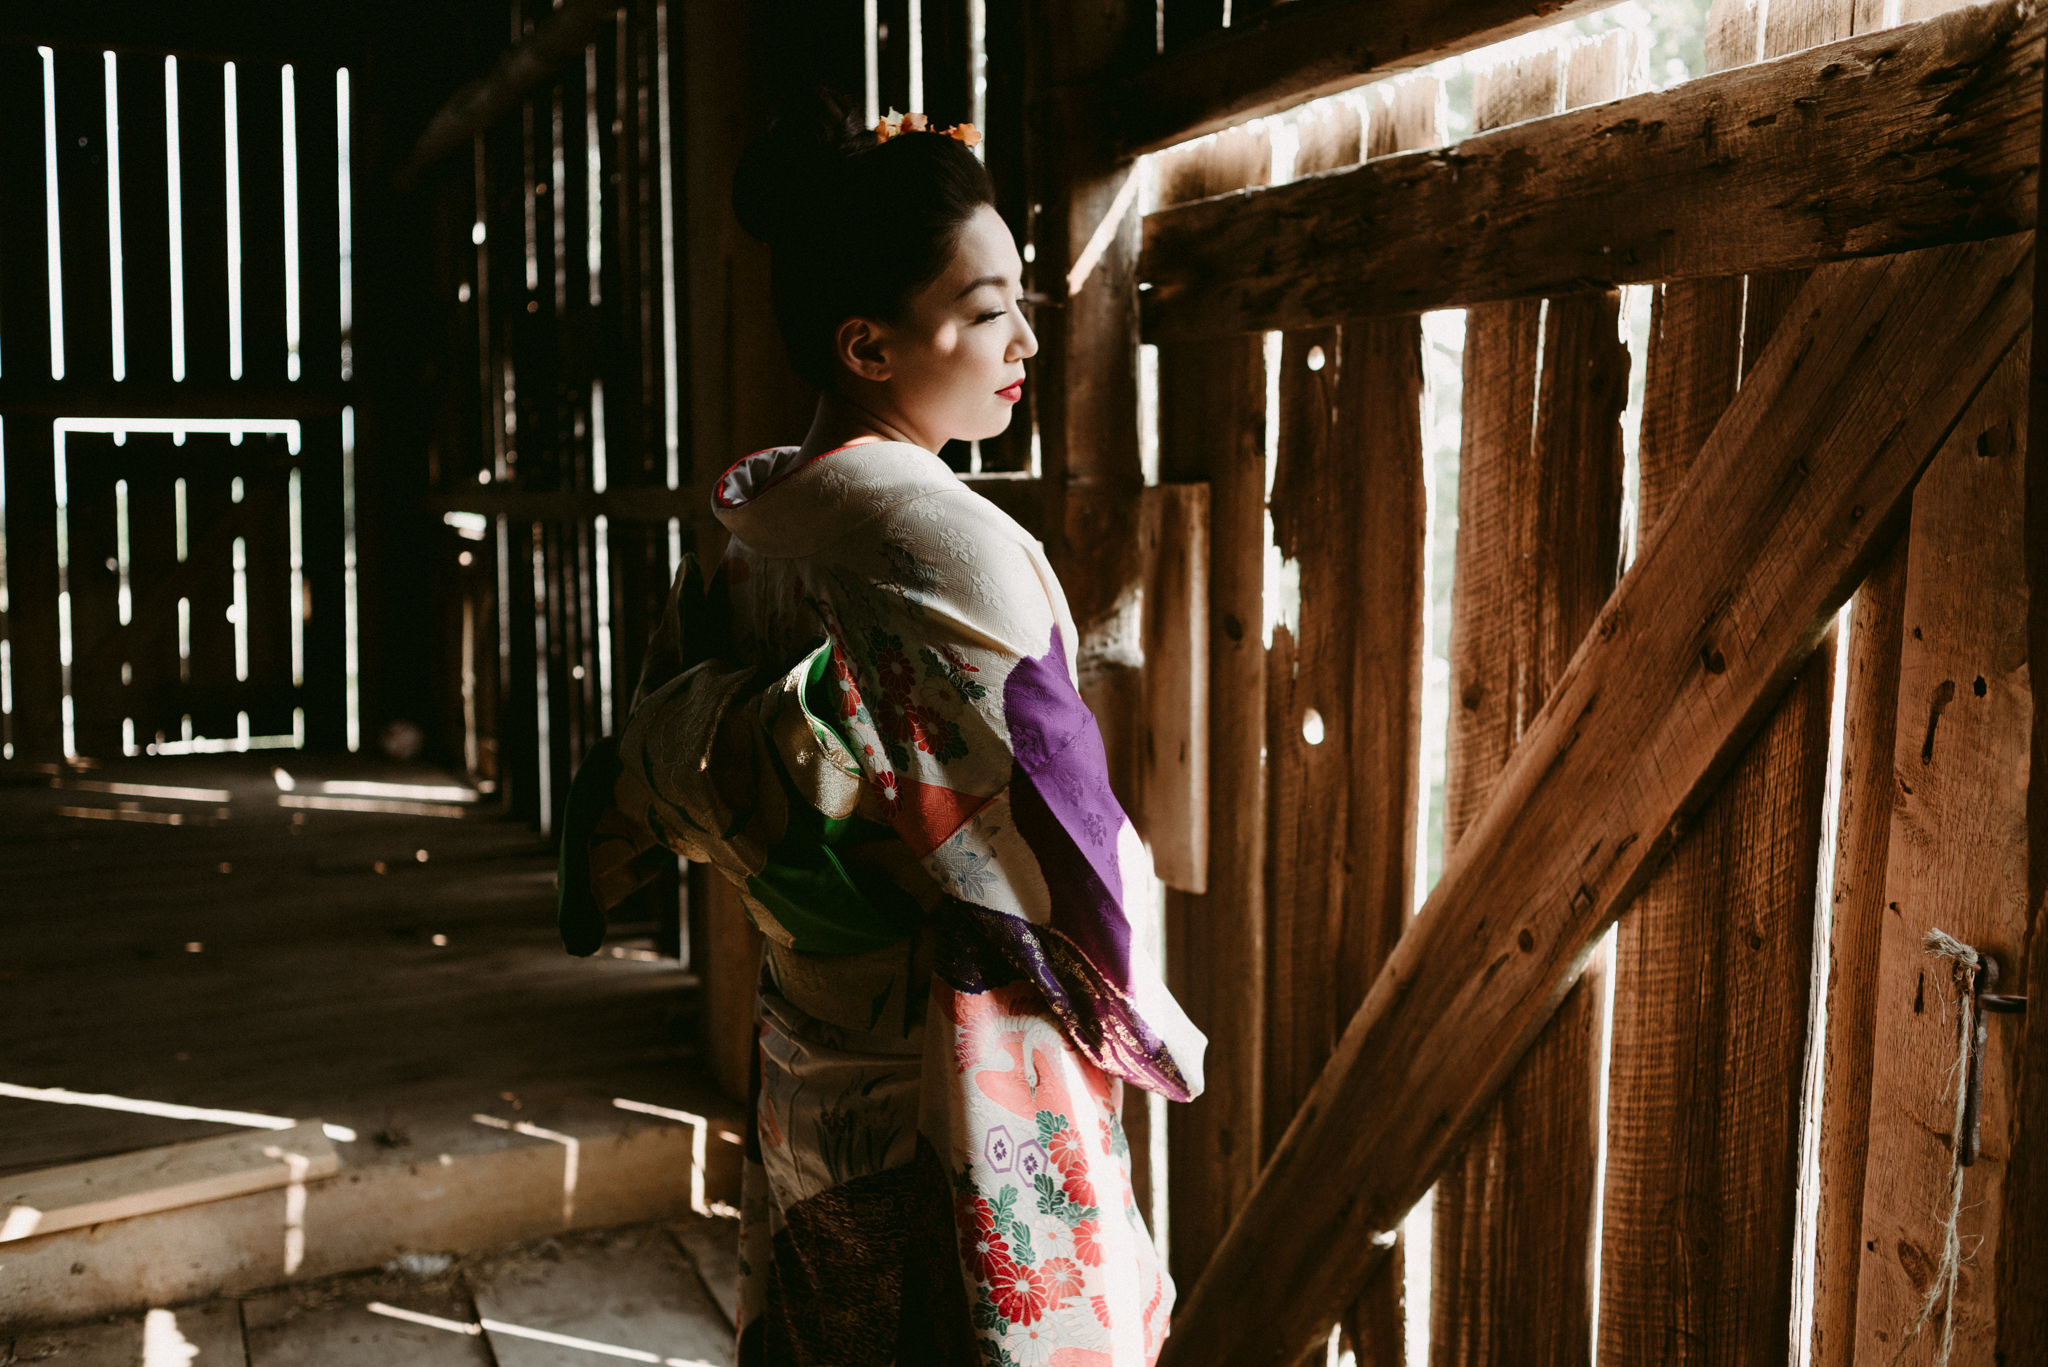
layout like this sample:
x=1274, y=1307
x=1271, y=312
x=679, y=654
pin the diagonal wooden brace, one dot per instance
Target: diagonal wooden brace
x=1804, y=482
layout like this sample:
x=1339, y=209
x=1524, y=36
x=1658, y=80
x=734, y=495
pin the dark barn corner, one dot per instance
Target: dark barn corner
x=1547, y=495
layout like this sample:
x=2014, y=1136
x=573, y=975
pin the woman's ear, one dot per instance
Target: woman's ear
x=863, y=348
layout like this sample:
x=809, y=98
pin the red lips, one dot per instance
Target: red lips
x=1012, y=394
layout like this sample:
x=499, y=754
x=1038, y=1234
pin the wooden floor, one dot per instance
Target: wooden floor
x=643, y=1293
x=395, y=973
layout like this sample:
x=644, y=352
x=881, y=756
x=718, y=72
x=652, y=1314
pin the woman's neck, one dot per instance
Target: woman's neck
x=842, y=422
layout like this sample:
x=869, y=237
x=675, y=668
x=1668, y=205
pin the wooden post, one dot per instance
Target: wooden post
x=2023, y=1268
x=1862, y=842
x=1343, y=685
x=1539, y=534
x=1957, y=861
x=1212, y=405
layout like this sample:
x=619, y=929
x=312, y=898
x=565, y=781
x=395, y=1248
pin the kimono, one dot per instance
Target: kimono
x=868, y=721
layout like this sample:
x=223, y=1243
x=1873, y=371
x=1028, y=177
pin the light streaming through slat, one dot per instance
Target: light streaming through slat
x=346, y=217
x=174, y=170
x=593, y=181
x=351, y=620
x=115, y=297
x=234, y=208
x=291, y=226
x=51, y=224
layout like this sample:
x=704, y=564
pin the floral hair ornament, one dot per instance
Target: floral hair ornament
x=894, y=124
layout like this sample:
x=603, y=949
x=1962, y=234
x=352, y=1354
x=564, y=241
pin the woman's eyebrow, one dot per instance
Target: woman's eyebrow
x=985, y=280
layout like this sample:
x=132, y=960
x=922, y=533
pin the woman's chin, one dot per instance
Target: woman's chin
x=1000, y=423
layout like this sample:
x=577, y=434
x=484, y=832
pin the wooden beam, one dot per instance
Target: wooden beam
x=1296, y=52
x=143, y=399
x=520, y=69
x=130, y=1184
x=1885, y=142
x=1800, y=487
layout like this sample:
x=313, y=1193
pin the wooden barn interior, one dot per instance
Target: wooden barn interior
x=1548, y=494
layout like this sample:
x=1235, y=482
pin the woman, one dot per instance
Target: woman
x=868, y=721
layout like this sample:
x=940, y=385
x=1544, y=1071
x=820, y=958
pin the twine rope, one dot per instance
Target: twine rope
x=1964, y=964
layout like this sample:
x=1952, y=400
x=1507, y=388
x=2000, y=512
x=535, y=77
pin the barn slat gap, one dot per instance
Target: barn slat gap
x=1813, y=1089
x=117, y=306
x=351, y=614
x=345, y=222
x=234, y=204
x=52, y=226
x=174, y=175
x=291, y=225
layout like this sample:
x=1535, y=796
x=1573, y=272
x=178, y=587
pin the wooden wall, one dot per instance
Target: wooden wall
x=1732, y=1127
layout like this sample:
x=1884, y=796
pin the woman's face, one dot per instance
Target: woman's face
x=954, y=368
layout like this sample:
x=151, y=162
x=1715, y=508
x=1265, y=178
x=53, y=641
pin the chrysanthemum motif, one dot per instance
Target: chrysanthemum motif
x=1020, y=1292
x=1063, y=1278
x=1088, y=1245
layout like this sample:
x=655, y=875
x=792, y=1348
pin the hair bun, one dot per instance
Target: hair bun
x=789, y=174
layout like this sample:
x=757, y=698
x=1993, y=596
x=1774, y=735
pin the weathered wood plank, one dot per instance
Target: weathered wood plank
x=1710, y=1018
x=1862, y=842
x=1795, y=494
x=1714, y=960
x=630, y=1290
x=1957, y=859
x=1342, y=688
x=1173, y=762
x=128, y=1184
x=2023, y=1270
x=1540, y=503
x=1212, y=406
x=1295, y=52
x=1876, y=144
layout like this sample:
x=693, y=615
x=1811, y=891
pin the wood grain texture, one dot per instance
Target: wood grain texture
x=1343, y=677
x=1086, y=378
x=1712, y=987
x=1172, y=811
x=1878, y=143
x=163, y=1178
x=1957, y=859
x=1292, y=53
x=1862, y=841
x=2023, y=1271
x=1794, y=496
x=1540, y=521
x=1212, y=406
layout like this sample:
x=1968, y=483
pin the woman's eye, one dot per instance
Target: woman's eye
x=991, y=317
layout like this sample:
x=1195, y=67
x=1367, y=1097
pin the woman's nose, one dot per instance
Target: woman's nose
x=1030, y=345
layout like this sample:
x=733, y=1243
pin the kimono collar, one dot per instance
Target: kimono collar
x=782, y=507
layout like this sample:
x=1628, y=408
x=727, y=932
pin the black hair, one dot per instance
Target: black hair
x=855, y=226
